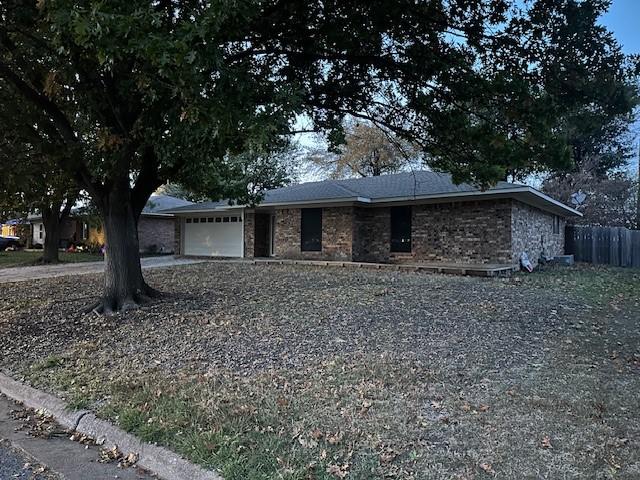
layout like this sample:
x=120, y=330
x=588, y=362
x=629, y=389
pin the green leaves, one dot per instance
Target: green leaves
x=485, y=88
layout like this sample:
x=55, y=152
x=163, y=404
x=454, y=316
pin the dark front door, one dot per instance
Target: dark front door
x=262, y=235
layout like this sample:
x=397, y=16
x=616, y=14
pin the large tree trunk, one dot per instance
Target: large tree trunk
x=124, y=285
x=53, y=219
x=52, y=226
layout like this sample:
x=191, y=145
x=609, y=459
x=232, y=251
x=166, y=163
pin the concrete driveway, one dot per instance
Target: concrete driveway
x=24, y=274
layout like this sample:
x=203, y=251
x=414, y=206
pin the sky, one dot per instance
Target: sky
x=623, y=19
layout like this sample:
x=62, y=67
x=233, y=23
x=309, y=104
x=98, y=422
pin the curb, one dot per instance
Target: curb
x=164, y=463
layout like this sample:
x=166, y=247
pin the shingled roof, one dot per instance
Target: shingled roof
x=158, y=203
x=381, y=189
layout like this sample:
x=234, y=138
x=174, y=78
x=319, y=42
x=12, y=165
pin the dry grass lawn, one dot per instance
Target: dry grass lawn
x=283, y=372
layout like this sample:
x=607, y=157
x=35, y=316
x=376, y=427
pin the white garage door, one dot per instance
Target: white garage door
x=219, y=236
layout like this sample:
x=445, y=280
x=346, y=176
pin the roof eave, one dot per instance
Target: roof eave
x=551, y=204
x=523, y=193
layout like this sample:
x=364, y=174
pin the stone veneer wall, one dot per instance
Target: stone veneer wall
x=532, y=232
x=337, y=234
x=156, y=234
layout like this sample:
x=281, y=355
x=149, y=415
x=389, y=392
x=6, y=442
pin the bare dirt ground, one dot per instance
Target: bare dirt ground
x=313, y=373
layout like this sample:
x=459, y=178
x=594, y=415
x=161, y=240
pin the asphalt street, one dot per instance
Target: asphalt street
x=29, y=456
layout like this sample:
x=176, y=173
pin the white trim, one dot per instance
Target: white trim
x=242, y=219
x=183, y=231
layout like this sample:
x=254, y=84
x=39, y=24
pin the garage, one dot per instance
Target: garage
x=213, y=236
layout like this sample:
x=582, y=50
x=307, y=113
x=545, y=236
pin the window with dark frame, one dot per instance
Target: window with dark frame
x=311, y=230
x=401, y=229
x=556, y=224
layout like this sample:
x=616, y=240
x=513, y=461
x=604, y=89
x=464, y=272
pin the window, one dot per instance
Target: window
x=85, y=230
x=188, y=220
x=203, y=220
x=218, y=219
x=196, y=220
x=41, y=231
x=234, y=219
x=311, y=230
x=401, y=229
x=210, y=220
x=556, y=224
x=225, y=219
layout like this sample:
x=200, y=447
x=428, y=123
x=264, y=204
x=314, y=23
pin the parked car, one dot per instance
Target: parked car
x=9, y=242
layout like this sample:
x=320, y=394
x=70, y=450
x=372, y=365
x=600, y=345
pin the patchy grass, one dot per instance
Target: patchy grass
x=23, y=258
x=597, y=285
x=308, y=373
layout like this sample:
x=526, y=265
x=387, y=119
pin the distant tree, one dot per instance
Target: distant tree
x=609, y=198
x=368, y=151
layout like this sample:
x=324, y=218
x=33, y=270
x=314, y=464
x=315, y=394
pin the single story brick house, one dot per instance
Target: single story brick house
x=417, y=217
x=156, y=231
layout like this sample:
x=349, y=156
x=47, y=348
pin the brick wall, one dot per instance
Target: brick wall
x=249, y=234
x=177, y=236
x=532, y=231
x=156, y=234
x=487, y=231
x=462, y=232
x=372, y=234
x=337, y=234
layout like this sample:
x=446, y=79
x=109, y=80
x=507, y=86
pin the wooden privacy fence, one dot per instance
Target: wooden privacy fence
x=616, y=246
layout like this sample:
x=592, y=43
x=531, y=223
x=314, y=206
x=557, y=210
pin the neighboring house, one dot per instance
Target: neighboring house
x=407, y=217
x=156, y=229
x=15, y=228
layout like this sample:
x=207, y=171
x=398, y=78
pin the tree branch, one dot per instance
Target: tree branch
x=41, y=101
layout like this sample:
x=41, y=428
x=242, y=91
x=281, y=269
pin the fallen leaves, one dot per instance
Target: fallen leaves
x=366, y=405
x=38, y=423
x=113, y=454
x=338, y=471
x=387, y=456
x=335, y=439
x=487, y=468
x=467, y=407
